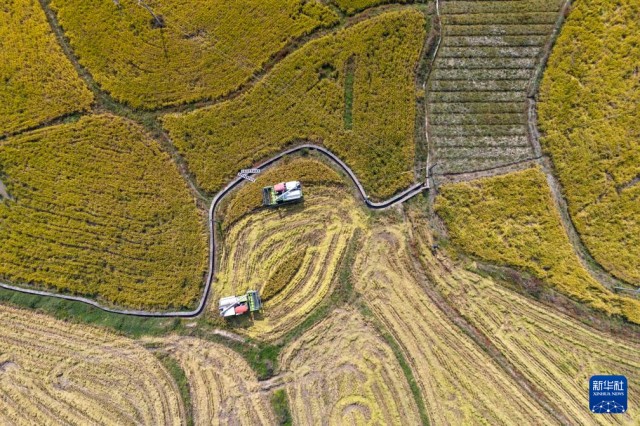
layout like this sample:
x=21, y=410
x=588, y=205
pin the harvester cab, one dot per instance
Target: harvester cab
x=232, y=306
x=282, y=193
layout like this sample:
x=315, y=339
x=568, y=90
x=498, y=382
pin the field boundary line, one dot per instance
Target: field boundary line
x=401, y=197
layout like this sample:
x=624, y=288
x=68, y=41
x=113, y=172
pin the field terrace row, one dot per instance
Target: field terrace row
x=477, y=89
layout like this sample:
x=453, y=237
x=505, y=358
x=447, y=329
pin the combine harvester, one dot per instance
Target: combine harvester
x=282, y=193
x=237, y=305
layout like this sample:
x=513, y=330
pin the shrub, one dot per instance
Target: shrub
x=203, y=49
x=590, y=118
x=512, y=220
x=301, y=100
x=98, y=209
x=37, y=82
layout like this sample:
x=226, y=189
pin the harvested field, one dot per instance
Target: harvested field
x=99, y=209
x=556, y=353
x=39, y=84
x=461, y=384
x=61, y=373
x=512, y=220
x=477, y=90
x=342, y=372
x=259, y=249
x=590, y=116
x=224, y=389
x=177, y=51
x=303, y=98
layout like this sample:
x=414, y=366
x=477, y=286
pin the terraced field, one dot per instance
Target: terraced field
x=461, y=384
x=556, y=353
x=305, y=97
x=99, y=209
x=477, y=90
x=151, y=54
x=52, y=372
x=590, y=118
x=342, y=372
x=39, y=84
x=512, y=220
x=224, y=389
x=290, y=255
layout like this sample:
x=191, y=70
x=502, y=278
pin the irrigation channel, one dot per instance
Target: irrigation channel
x=398, y=198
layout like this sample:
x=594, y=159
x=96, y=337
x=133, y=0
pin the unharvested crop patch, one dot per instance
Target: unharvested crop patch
x=37, y=82
x=224, y=389
x=590, y=116
x=303, y=98
x=556, y=353
x=259, y=248
x=477, y=89
x=342, y=372
x=52, y=372
x=98, y=209
x=185, y=50
x=512, y=220
x=461, y=384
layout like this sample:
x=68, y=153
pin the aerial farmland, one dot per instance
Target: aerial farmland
x=319, y=212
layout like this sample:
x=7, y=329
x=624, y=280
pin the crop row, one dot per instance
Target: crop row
x=506, y=7
x=98, y=209
x=512, y=220
x=54, y=372
x=591, y=123
x=303, y=98
x=172, y=52
x=38, y=82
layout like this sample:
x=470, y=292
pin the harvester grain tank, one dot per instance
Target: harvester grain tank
x=237, y=305
x=282, y=193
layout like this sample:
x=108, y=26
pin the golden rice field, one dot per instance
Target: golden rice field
x=203, y=49
x=353, y=6
x=590, y=119
x=461, y=384
x=249, y=197
x=99, y=209
x=304, y=97
x=342, y=372
x=38, y=82
x=52, y=372
x=556, y=353
x=224, y=389
x=512, y=220
x=258, y=251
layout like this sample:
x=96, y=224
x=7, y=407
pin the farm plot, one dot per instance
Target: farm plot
x=99, y=209
x=224, y=389
x=555, y=352
x=290, y=255
x=461, y=384
x=152, y=54
x=353, y=6
x=476, y=93
x=303, y=98
x=512, y=220
x=590, y=116
x=342, y=372
x=61, y=373
x=39, y=84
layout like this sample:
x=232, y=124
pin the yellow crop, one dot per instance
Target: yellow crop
x=341, y=372
x=352, y=6
x=53, y=372
x=203, y=49
x=99, y=209
x=258, y=247
x=512, y=220
x=589, y=114
x=37, y=82
x=304, y=98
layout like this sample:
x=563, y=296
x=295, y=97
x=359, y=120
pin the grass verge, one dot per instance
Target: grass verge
x=280, y=404
x=181, y=380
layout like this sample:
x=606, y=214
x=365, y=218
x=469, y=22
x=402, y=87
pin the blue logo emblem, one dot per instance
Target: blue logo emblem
x=608, y=394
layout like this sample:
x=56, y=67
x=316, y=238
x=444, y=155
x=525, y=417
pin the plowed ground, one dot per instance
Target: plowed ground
x=341, y=372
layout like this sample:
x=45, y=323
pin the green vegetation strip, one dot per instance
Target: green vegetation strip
x=280, y=404
x=181, y=380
